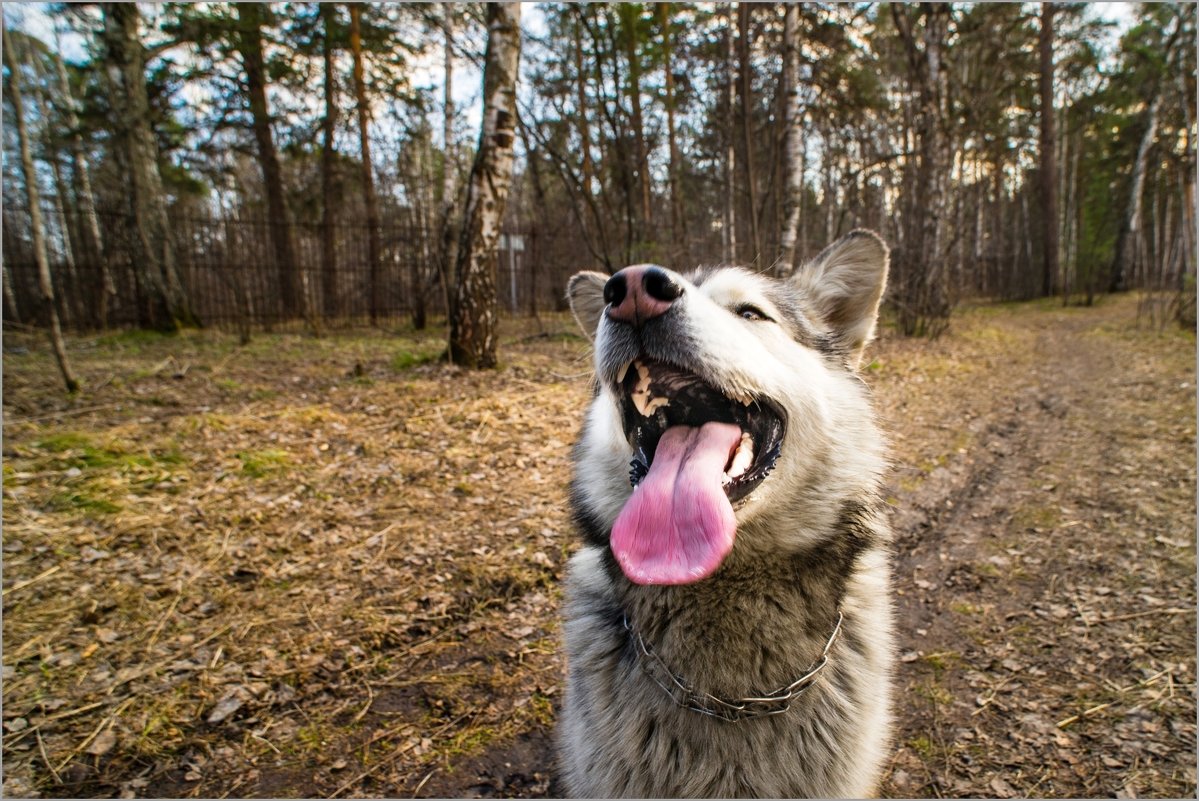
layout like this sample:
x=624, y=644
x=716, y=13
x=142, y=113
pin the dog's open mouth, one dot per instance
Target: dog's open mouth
x=696, y=452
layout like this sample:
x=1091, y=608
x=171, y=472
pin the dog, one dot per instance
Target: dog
x=727, y=620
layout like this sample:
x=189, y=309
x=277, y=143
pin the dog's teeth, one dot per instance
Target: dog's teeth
x=647, y=405
x=622, y=373
x=743, y=458
x=645, y=402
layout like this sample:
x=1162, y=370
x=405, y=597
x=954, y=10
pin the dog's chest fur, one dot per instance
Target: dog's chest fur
x=625, y=736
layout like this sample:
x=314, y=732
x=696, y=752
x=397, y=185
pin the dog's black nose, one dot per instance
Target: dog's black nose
x=639, y=293
x=658, y=284
x=615, y=289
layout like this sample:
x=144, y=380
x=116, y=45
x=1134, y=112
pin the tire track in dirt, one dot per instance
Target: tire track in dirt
x=1008, y=626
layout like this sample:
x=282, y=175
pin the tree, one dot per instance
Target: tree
x=45, y=282
x=449, y=220
x=368, y=175
x=751, y=176
x=728, y=226
x=162, y=302
x=678, y=230
x=293, y=281
x=1128, y=243
x=332, y=304
x=84, y=195
x=793, y=143
x=475, y=312
x=919, y=270
x=1048, y=177
x=630, y=32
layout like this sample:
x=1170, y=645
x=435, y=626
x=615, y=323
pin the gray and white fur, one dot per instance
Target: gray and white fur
x=811, y=541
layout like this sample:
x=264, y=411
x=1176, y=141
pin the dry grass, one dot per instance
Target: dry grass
x=308, y=533
x=330, y=567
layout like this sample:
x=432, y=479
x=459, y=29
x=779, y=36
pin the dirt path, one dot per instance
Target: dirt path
x=1047, y=570
x=329, y=568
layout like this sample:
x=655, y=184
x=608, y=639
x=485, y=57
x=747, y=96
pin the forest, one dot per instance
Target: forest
x=298, y=526
x=245, y=165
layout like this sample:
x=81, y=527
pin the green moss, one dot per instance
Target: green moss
x=259, y=464
x=406, y=359
x=83, y=501
x=923, y=746
x=941, y=661
x=1037, y=517
x=470, y=741
x=134, y=339
x=64, y=441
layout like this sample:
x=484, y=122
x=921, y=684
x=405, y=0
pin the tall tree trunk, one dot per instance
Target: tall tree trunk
x=162, y=302
x=793, y=156
x=450, y=219
x=368, y=170
x=71, y=301
x=293, y=283
x=332, y=303
x=678, y=233
x=473, y=324
x=747, y=126
x=421, y=201
x=922, y=296
x=1073, y=149
x=1130, y=232
x=542, y=212
x=85, y=199
x=45, y=283
x=729, y=215
x=630, y=16
x=1049, y=214
x=11, y=311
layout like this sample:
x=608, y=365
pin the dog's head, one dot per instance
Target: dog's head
x=729, y=410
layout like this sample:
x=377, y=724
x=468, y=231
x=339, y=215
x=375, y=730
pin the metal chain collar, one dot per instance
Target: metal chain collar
x=729, y=710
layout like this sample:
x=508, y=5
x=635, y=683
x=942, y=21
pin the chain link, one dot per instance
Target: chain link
x=731, y=711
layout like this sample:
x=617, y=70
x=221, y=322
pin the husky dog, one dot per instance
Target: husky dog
x=728, y=618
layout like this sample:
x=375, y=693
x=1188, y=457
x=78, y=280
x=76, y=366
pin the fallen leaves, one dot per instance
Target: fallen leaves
x=371, y=607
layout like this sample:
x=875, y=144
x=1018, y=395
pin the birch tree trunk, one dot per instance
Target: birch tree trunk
x=162, y=303
x=473, y=323
x=45, y=283
x=793, y=156
x=331, y=301
x=368, y=170
x=1049, y=212
x=1130, y=233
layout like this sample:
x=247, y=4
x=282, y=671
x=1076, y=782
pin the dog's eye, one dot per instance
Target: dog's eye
x=748, y=311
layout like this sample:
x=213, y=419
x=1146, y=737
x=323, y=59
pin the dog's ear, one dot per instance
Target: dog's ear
x=585, y=291
x=846, y=283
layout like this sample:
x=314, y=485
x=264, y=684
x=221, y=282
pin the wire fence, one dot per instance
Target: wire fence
x=231, y=276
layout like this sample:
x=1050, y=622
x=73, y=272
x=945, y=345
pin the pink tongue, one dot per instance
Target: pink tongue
x=678, y=525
